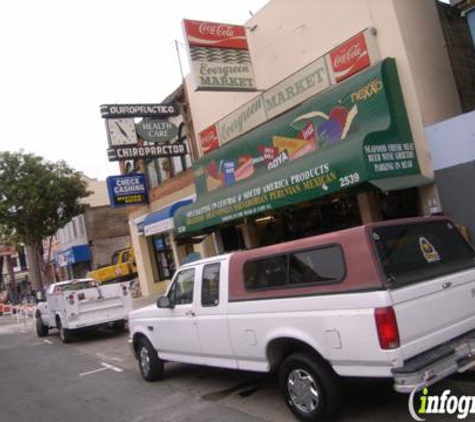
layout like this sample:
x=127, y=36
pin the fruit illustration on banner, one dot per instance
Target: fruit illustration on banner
x=331, y=128
x=245, y=167
x=213, y=179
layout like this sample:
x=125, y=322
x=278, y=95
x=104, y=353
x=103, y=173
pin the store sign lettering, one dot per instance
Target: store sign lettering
x=127, y=153
x=373, y=88
x=138, y=110
x=297, y=88
x=209, y=139
x=244, y=119
x=219, y=56
x=210, y=34
x=158, y=131
x=390, y=157
x=350, y=58
x=127, y=190
x=261, y=198
x=219, y=75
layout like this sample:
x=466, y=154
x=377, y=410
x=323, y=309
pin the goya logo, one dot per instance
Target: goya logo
x=443, y=404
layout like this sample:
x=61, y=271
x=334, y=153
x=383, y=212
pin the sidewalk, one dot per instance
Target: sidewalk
x=142, y=301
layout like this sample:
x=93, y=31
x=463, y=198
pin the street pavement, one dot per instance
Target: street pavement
x=96, y=378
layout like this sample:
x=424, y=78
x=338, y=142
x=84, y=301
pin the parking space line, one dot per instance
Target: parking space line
x=93, y=372
x=109, y=366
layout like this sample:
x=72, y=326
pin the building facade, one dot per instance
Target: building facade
x=342, y=151
x=333, y=138
x=88, y=240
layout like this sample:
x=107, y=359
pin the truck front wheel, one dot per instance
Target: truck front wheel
x=309, y=387
x=151, y=366
x=41, y=329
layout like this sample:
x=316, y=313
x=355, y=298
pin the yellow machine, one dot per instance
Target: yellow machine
x=123, y=268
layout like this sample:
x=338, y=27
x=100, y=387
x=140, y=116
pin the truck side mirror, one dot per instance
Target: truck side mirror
x=164, y=302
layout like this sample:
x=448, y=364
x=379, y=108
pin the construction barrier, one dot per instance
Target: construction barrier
x=17, y=311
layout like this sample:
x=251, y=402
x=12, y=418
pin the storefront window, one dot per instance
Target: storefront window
x=183, y=162
x=163, y=256
x=152, y=174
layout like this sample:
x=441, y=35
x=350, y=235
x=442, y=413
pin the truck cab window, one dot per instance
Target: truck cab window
x=210, y=285
x=181, y=293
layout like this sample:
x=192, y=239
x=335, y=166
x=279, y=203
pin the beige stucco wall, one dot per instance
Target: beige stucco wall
x=143, y=251
x=287, y=35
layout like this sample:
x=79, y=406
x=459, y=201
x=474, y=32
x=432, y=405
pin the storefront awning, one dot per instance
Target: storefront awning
x=401, y=182
x=71, y=256
x=162, y=220
x=349, y=137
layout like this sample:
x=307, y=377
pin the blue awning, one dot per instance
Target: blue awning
x=162, y=220
x=73, y=255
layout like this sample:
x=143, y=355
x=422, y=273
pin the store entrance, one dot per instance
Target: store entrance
x=163, y=256
x=232, y=239
x=308, y=219
x=403, y=203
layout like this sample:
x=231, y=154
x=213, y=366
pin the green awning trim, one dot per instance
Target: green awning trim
x=374, y=149
x=401, y=182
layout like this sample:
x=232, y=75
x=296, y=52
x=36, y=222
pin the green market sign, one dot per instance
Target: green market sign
x=157, y=131
x=345, y=137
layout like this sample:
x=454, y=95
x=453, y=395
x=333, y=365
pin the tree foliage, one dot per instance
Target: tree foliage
x=37, y=197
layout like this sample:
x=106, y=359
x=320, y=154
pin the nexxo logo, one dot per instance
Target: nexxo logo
x=439, y=404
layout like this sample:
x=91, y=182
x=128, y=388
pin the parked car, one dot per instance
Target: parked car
x=77, y=304
x=386, y=300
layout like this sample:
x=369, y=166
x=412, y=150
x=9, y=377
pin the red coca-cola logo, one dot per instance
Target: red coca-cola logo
x=209, y=139
x=221, y=31
x=215, y=35
x=347, y=56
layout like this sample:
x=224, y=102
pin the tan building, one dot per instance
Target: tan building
x=90, y=239
x=334, y=136
x=170, y=183
x=288, y=41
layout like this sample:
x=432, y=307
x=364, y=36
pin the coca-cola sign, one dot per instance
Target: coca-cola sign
x=216, y=35
x=209, y=139
x=349, y=58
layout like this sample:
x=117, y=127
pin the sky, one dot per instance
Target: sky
x=61, y=59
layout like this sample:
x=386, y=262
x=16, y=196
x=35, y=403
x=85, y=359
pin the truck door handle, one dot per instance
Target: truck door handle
x=447, y=285
x=190, y=313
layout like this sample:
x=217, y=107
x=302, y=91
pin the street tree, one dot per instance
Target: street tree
x=37, y=197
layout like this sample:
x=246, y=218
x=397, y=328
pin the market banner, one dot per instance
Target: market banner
x=339, y=139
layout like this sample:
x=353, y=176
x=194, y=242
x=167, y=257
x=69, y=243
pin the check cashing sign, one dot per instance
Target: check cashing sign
x=127, y=190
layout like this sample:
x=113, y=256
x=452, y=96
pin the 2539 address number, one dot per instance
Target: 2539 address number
x=349, y=180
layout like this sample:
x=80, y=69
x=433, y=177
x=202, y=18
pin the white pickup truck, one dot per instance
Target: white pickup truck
x=386, y=300
x=77, y=304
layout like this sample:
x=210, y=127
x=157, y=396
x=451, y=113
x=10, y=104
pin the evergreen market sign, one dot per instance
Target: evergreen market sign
x=352, y=134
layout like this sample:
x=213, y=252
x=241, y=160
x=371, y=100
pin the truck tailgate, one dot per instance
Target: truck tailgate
x=433, y=312
x=99, y=304
x=430, y=273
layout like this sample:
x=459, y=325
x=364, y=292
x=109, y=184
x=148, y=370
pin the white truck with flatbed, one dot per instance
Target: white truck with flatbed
x=386, y=300
x=79, y=304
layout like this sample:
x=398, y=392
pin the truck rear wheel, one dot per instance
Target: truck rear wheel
x=151, y=366
x=64, y=334
x=41, y=329
x=309, y=387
